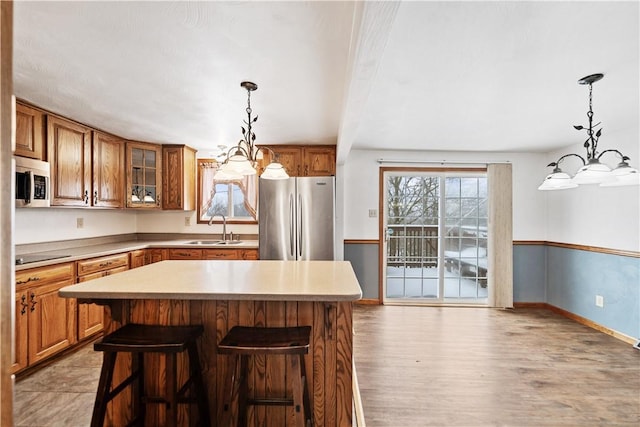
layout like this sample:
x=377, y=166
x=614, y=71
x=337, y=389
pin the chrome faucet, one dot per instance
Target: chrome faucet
x=224, y=225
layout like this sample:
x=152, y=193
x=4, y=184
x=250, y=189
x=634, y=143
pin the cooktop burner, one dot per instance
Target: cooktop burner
x=26, y=259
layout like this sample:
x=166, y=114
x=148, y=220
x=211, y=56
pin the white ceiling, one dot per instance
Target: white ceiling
x=449, y=75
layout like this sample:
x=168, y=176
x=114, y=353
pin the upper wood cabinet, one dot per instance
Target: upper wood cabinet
x=108, y=170
x=305, y=160
x=69, y=153
x=87, y=166
x=144, y=175
x=30, y=132
x=319, y=161
x=179, y=177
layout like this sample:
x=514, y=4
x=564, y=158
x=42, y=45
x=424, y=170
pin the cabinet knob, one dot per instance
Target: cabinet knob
x=86, y=197
x=95, y=198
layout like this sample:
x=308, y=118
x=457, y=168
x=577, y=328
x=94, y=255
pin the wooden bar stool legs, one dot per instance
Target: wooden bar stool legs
x=241, y=343
x=300, y=392
x=138, y=340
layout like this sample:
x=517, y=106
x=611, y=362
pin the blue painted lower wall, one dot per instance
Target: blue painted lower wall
x=529, y=273
x=575, y=277
x=364, y=260
x=566, y=278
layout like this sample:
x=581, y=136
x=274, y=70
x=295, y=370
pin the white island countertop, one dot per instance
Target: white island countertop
x=226, y=280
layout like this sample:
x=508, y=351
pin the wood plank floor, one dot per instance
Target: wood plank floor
x=61, y=394
x=429, y=366
x=446, y=366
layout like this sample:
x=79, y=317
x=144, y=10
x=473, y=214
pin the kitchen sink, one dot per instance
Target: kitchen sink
x=214, y=242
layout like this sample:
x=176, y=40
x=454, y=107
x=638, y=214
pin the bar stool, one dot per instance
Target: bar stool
x=242, y=342
x=138, y=340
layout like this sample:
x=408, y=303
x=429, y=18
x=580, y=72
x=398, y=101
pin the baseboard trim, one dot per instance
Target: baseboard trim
x=577, y=318
x=368, y=301
x=530, y=305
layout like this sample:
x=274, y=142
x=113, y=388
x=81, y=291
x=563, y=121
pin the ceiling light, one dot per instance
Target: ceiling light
x=592, y=170
x=244, y=160
x=274, y=170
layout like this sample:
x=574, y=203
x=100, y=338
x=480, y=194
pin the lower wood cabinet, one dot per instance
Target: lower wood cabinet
x=91, y=316
x=155, y=255
x=249, y=254
x=213, y=253
x=45, y=324
x=180, y=253
x=138, y=258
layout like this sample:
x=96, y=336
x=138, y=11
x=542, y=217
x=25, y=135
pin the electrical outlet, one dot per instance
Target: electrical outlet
x=373, y=213
x=187, y=221
x=79, y=222
x=599, y=301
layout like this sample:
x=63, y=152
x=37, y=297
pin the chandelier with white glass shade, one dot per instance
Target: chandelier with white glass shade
x=242, y=159
x=592, y=170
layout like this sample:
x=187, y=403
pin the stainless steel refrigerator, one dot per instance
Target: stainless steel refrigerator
x=296, y=218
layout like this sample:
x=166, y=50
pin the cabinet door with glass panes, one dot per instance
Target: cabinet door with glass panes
x=144, y=175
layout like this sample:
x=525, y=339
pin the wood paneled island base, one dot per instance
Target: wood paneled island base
x=328, y=364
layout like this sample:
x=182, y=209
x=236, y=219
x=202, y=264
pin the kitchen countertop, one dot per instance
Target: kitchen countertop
x=84, y=252
x=226, y=280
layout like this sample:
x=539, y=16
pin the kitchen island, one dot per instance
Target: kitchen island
x=222, y=294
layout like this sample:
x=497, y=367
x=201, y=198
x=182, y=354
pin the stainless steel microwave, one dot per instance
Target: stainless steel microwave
x=33, y=183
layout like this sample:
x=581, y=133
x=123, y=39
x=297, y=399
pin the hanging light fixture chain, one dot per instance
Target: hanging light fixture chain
x=590, y=130
x=247, y=137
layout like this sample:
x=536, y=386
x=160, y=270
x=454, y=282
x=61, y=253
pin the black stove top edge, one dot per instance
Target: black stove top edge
x=28, y=259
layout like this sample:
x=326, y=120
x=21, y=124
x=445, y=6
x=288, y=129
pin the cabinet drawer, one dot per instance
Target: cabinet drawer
x=95, y=265
x=249, y=254
x=185, y=254
x=44, y=275
x=101, y=274
x=220, y=254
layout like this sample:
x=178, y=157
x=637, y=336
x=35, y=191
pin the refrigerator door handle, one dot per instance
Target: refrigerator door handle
x=300, y=225
x=291, y=227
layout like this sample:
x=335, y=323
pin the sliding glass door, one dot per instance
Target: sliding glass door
x=435, y=245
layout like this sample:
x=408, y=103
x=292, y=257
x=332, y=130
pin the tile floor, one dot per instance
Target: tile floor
x=60, y=395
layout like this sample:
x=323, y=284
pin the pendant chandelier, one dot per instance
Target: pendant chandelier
x=242, y=159
x=592, y=170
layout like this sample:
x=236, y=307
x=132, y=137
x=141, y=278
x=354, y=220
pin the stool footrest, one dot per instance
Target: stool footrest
x=270, y=401
x=124, y=384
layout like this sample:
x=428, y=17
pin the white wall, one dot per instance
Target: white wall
x=54, y=224
x=362, y=188
x=37, y=225
x=174, y=222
